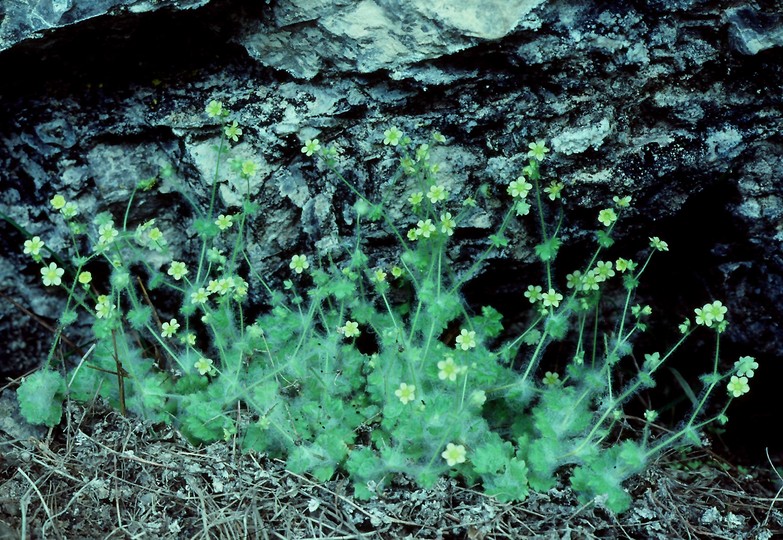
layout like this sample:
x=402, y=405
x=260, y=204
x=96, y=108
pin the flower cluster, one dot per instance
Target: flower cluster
x=550, y=298
x=590, y=281
x=351, y=344
x=744, y=368
x=710, y=315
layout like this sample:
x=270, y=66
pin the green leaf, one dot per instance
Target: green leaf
x=686, y=388
x=68, y=317
x=202, y=419
x=364, y=464
x=630, y=282
x=489, y=322
x=343, y=289
x=205, y=228
x=156, y=280
x=320, y=277
x=632, y=456
x=547, y=251
x=531, y=337
x=498, y=240
x=557, y=326
x=149, y=396
x=376, y=212
x=603, y=238
x=138, y=317
x=492, y=457
x=510, y=485
x=250, y=208
x=41, y=397
x=361, y=492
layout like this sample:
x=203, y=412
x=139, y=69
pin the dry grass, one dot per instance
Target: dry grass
x=106, y=476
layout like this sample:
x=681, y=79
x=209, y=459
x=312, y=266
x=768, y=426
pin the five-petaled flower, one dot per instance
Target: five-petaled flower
x=406, y=393
x=223, y=285
x=574, y=280
x=466, y=339
x=214, y=108
x=523, y=208
x=424, y=228
x=746, y=366
x=233, y=131
x=177, y=270
x=554, y=189
x=203, y=365
x=624, y=265
x=738, y=386
x=447, y=224
x=33, y=246
x=169, y=328
x=249, y=168
x=379, y=276
x=188, y=339
x=156, y=235
x=537, y=150
x=350, y=329
x=716, y=310
x=212, y=286
x=534, y=293
x=392, y=136
x=85, y=278
x=551, y=298
x=454, y=454
x=299, y=263
x=437, y=193
x=57, y=202
x=590, y=281
x=519, y=188
x=622, y=202
x=69, y=210
x=710, y=313
x=104, y=307
x=448, y=369
x=107, y=233
x=416, y=198
x=607, y=216
x=603, y=270
x=551, y=379
x=224, y=222
x=311, y=146
x=52, y=274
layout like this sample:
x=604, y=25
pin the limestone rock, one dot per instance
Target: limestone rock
x=371, y=35
x=34, y=19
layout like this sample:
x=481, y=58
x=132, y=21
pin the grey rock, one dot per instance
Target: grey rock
x=370, y=35
x=24, y=20
x=752, y=31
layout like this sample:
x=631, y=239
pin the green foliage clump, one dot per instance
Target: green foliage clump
x=373, y=367
x=41, y=397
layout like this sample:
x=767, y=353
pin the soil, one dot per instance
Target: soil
x=101, y=475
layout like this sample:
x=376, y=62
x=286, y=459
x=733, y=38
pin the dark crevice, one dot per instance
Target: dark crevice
x=113, y=51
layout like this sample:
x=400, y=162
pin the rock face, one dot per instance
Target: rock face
x=24, y=20
x=372, y=35
x=677, y=104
